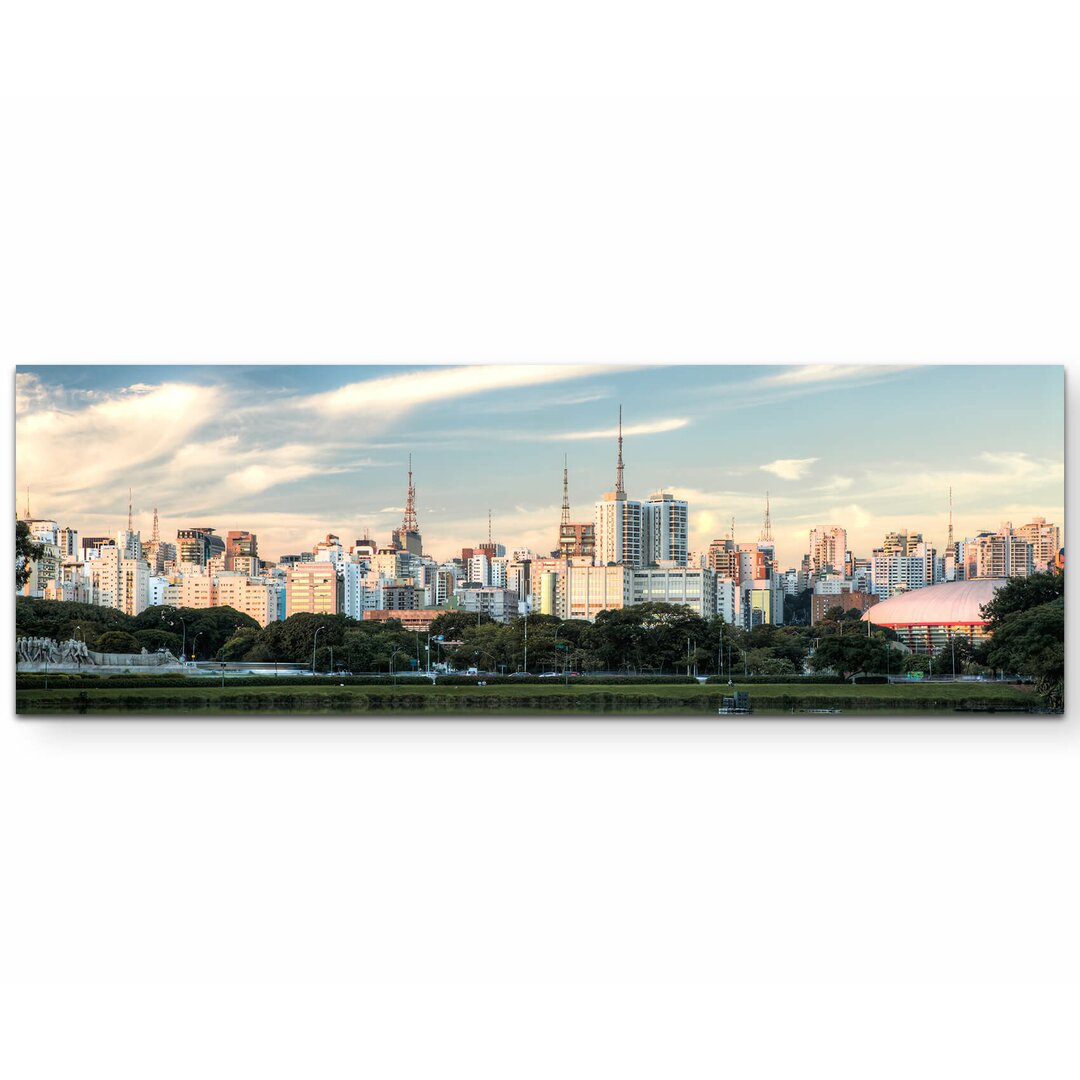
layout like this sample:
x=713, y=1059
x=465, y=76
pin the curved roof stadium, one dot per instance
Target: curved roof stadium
x=924, y=618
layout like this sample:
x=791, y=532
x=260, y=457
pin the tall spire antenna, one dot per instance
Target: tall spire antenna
x=950, y=544
x=131, y=527
x=27, y=503
x=619, y=489
x=732, y=533
x=489, y=526
x=155, y=538
x=565, y=493
x=408, y=522
x=766, y=529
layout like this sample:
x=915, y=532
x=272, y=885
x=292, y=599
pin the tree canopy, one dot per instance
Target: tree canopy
x=1026, y=619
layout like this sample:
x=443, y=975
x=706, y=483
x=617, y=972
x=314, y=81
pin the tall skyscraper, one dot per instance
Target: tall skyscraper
x=665, y=529
x=618, y=521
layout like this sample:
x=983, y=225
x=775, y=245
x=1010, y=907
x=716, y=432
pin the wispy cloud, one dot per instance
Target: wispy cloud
x=397, y=394
x=652, y=427
x=789, y=468
x=827, y=373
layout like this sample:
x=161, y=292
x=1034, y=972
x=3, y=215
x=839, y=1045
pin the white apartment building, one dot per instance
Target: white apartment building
x=665, y=524
x=617, y=521
x=197, y=590
x=156, y=587
x=497, y=572
x=478, y=570
x=329, y=550
x=588, y=590
x=500, y=604
x=690, y=587
x=1045, y=541
x=727, y=599
x=249, y=596
x=361, y=590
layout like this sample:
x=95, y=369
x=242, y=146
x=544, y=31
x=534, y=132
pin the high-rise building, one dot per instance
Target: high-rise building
x=827, y=551
x=1045, y=541
x=901, y=543
x=618, y=522
x=242, y=545
x=198, y=545
x=690, y=587
x=67, y=540
x=312, y=587
x=588, y=590
x=329, y=550
x=665, y=523
x=250, y=597
x=999, y=555
x=723, y=556
x=119, y=581
x=361, y=589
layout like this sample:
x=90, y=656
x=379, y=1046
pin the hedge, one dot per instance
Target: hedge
x=120, y=682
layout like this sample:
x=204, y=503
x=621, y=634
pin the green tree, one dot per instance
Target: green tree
x=1032, y=642
x=1020, y=594
x=850, y=654
x=1026, y=621
x=26, y=551
x=117, y=641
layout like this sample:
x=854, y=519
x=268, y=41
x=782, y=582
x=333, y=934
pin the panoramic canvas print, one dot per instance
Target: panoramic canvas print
x=513, y=540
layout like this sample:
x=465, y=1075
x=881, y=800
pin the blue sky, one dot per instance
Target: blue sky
x=294, y=452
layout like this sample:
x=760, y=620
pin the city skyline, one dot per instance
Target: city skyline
x=292, y=452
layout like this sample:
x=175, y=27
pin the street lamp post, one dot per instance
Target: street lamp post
x=393, y=673
x=194, y=642
x=78, y=658
x=314, y=642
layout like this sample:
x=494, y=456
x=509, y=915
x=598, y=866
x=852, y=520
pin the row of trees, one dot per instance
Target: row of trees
x=1026, y=617
x=652, y=639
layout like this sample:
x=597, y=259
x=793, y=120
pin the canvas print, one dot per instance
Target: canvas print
x=539, y=540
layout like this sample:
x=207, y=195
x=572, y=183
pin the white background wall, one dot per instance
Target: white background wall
x=597, y=182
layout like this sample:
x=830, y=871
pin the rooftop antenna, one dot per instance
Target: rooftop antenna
x=408, y=522
x=27, y=504
x=489, y=526
x=131, y=527
x=950, y=544
x=619, y=489
x=731, y=535
x=766, y=529
x=155, y=538
x=565, y=493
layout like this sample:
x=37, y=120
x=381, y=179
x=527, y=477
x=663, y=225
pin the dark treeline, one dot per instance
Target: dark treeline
x=1027, y=616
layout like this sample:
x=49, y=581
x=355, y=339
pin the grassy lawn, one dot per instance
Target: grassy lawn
x=423, y=698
